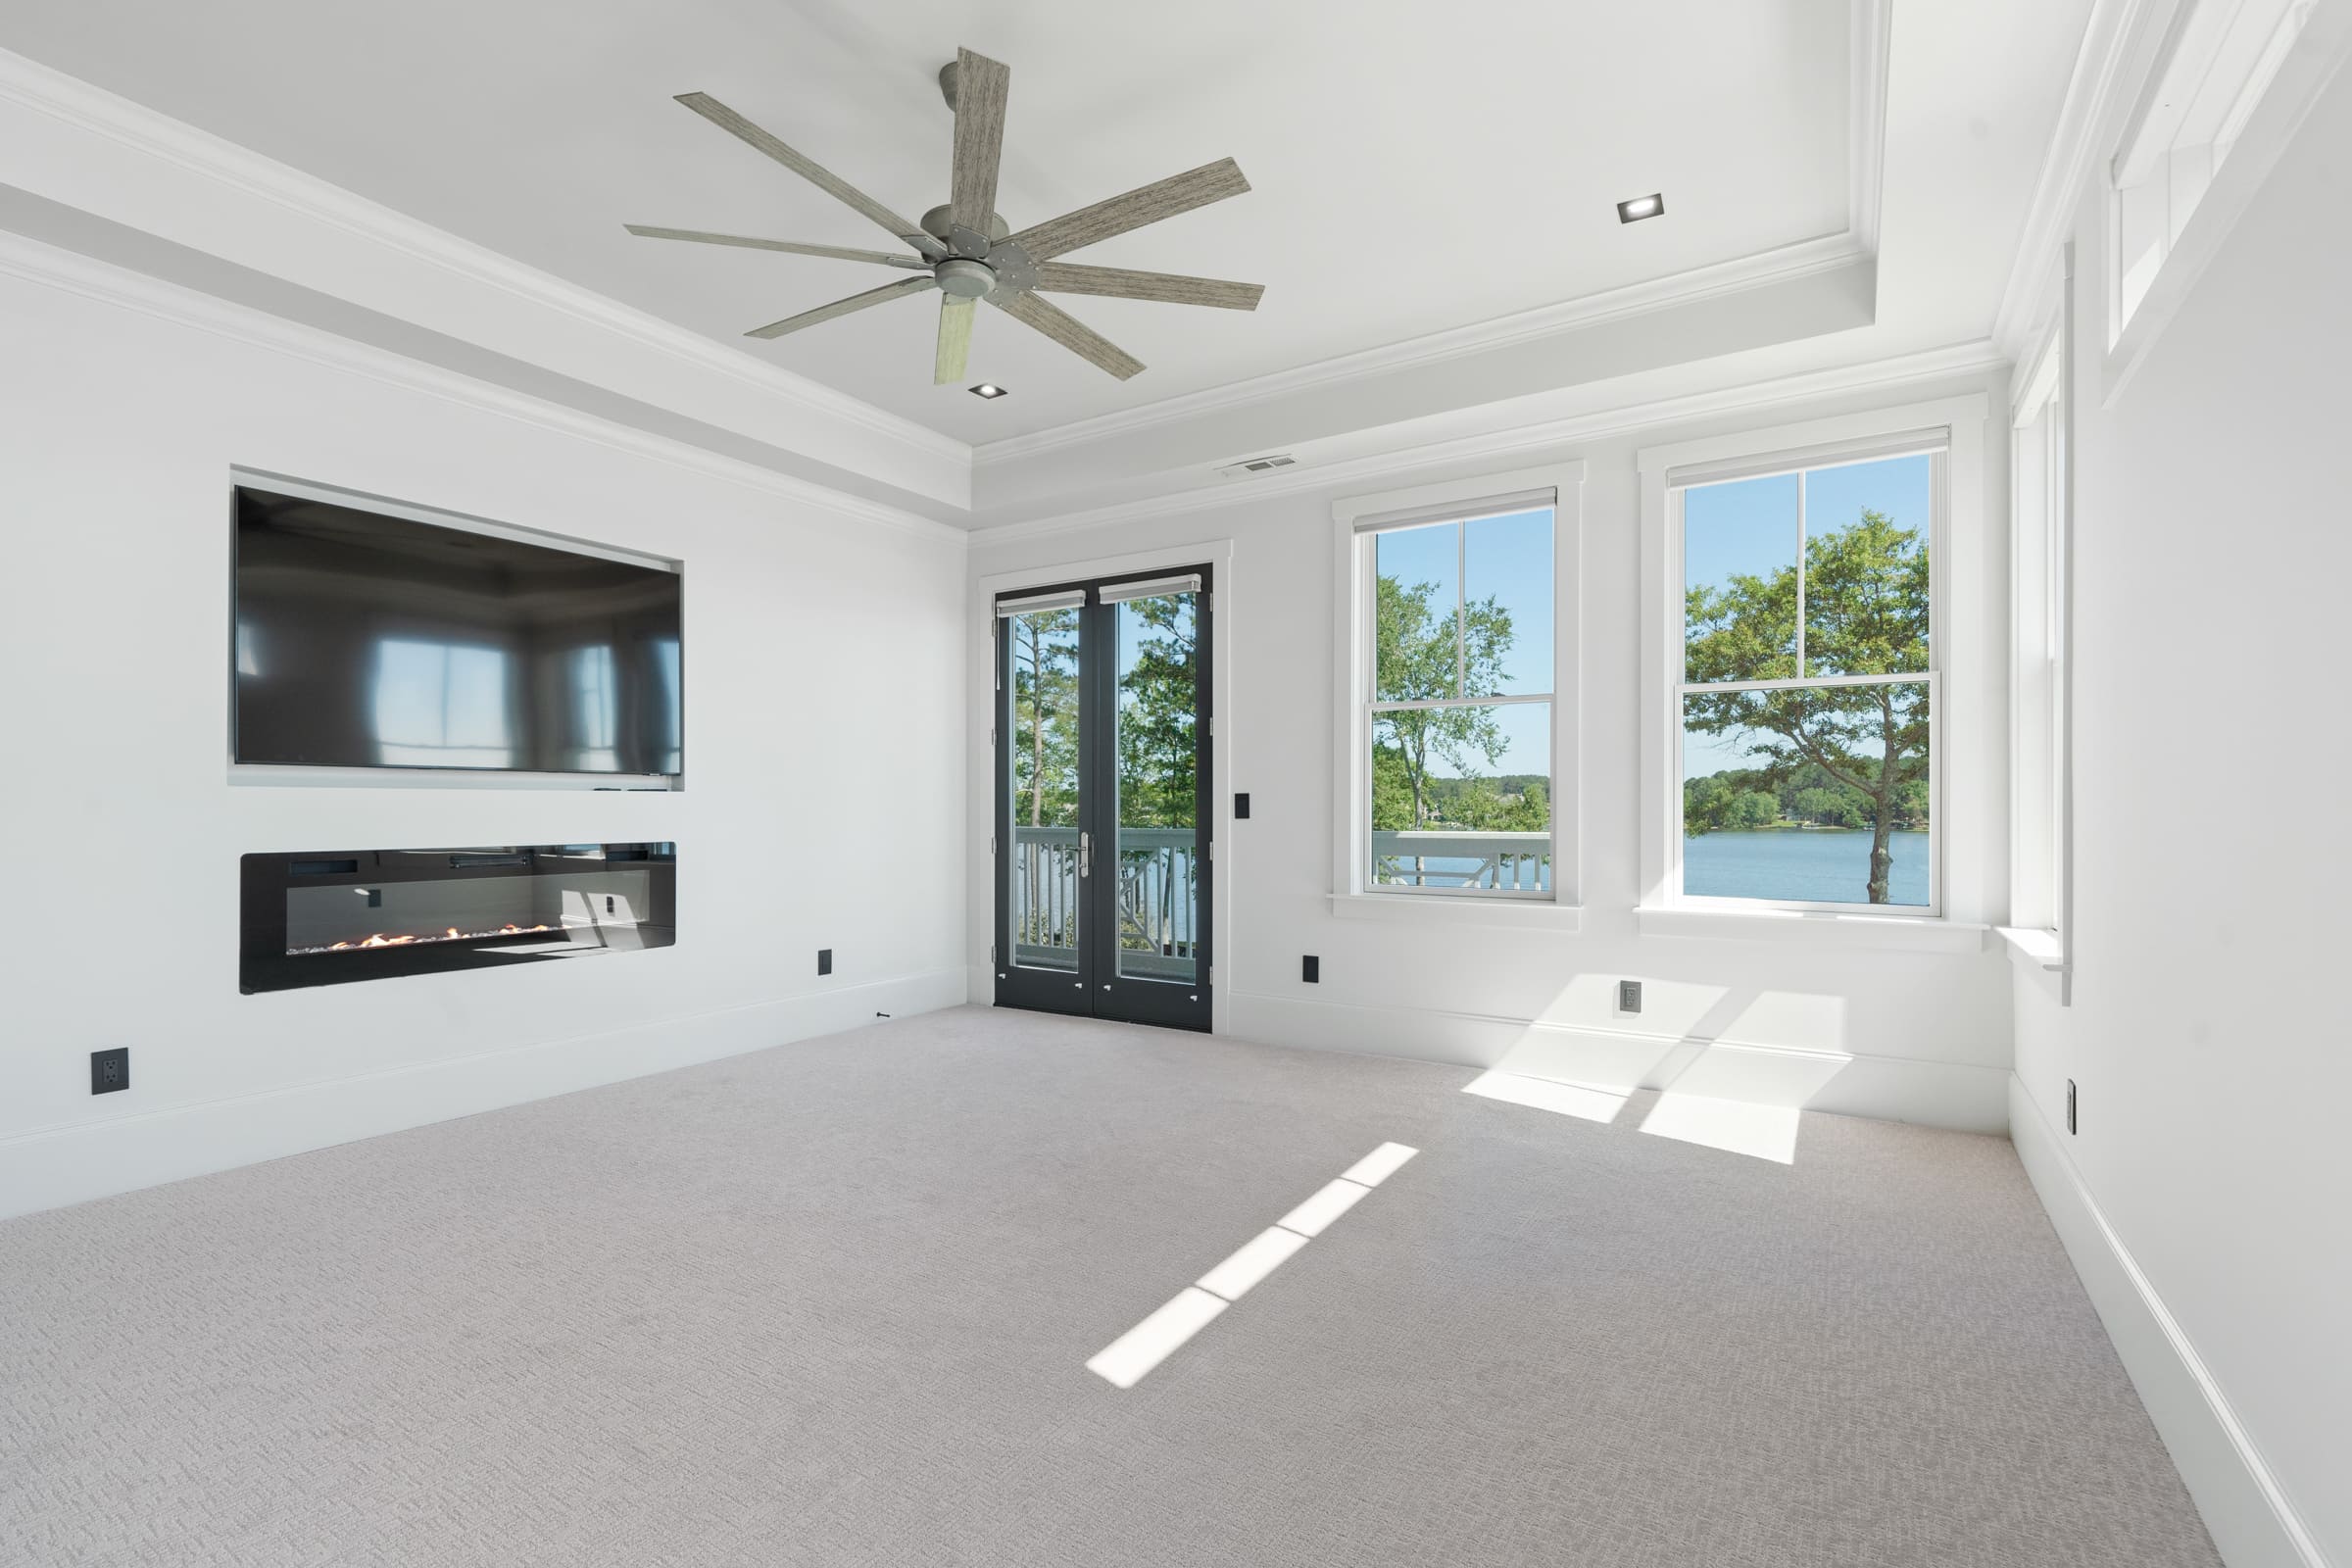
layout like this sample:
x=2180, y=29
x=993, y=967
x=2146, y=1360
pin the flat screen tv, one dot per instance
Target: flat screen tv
x=368, y=640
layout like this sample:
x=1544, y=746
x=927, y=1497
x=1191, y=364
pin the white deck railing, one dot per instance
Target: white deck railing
x=1158, y=892
x=1158, y=899
x=1445, y=858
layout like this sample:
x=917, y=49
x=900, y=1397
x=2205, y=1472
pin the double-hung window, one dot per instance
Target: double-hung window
x=2041, y=659
x=1804, y=663
x=1456, y=624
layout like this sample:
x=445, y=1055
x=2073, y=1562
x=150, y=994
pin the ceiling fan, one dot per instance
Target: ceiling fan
x=968, y=253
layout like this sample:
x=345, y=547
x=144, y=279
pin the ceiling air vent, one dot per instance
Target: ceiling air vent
x=1250, y=467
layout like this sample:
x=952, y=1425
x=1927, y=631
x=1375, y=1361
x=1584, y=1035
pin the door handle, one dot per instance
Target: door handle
x=1086, y=855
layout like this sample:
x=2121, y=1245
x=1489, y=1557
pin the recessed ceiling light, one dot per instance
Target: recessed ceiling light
x=985, y=389
x=1640, y=207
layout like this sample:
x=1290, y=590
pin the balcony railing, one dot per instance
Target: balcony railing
x=1158, y=929
x=1443, y=858
x=1158, y=893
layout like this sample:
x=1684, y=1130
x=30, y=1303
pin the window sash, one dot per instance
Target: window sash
x=1932, y=910
x=1370, y=866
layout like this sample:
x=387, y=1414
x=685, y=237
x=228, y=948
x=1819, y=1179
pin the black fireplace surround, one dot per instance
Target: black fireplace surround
x=332, y=917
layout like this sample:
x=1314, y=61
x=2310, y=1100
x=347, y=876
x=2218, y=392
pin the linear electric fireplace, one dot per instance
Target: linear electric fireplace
x=328, y=918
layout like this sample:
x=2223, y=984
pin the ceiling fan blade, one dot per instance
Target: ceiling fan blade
x=1170, y=288
x=856, y=302
x=955, y=339
x=728, y=121
x=1066, y=330
x=837, y=252
x=1088, y=225
x=981, y=86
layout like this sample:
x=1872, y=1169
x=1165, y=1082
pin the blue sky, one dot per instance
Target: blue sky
x=1751, y=525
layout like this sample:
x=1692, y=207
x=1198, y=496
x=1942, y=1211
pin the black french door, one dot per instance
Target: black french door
x=1103, y=798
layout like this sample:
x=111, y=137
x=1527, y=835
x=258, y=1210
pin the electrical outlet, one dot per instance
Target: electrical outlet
x=1629, y=996
x=2070, y=1107
x=824, y=961
x=1241, y=806
x=109, y=1071
x=1310, y=969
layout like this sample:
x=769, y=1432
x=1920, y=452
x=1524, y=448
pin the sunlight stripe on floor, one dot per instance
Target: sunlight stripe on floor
x=1126, y=1360
x=1123, y=1362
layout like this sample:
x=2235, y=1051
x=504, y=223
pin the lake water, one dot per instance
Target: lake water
x=1804, y=866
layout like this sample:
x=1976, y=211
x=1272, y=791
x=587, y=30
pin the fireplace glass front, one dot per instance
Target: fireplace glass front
x=318, y=920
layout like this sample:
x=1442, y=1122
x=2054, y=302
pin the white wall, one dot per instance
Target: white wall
x=821, y=809
x=2207, y=1035
x=1928, y=1033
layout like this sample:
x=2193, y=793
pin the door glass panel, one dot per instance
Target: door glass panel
x=1158, y=706
x=1042, y=753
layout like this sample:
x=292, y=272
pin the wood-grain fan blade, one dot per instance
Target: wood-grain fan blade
x=1072, y=334
x=856, y=302
x=981, y=87
x=1170, y=288
x=728, y=121
x=839, y=253
x=1088, y=226
x=955, y=340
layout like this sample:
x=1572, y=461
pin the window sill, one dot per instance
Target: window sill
x=2032, y=949
x=1513, y=915
x=1902, y=933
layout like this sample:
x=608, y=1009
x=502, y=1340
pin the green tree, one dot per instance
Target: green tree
x=1045, y=716
x=1830, y=807
x=1158, y=700
x=1865, y=603
x=1422, y=655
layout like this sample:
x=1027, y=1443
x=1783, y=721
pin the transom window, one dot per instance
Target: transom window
x=1455, y=710
x=2220, y=61
x=1805, y=702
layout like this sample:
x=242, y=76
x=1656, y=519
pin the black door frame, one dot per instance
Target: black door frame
x=1096, y=988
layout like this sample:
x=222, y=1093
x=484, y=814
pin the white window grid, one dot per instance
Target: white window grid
x=1370, y=707
x=1935, y=450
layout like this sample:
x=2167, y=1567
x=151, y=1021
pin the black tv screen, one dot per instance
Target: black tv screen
x=364, y=640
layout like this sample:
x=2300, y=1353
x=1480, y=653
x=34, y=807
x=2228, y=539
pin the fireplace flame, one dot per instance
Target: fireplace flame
x=405, y=939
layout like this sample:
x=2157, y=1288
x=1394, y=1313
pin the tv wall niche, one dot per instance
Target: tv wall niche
x=370, y=639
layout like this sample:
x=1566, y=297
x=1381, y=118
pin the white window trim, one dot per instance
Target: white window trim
x=2039, y=935
x=2324, y=44
x=1352, y=655
x=1965, y=692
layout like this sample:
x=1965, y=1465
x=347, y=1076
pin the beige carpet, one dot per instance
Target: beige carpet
x=832, y=1305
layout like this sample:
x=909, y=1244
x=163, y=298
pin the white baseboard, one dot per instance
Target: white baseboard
x=2253, y=1523
x=56, y=1166
x=1966, y=1096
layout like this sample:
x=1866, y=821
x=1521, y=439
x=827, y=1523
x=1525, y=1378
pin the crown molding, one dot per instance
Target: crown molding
x=2096, y=92
x=1888, y=374
x=1805, y=259
x=1871, y=43
x=32, y=85
x=74, y=274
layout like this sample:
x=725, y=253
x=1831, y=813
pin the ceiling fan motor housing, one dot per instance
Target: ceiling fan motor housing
x=963, y=278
